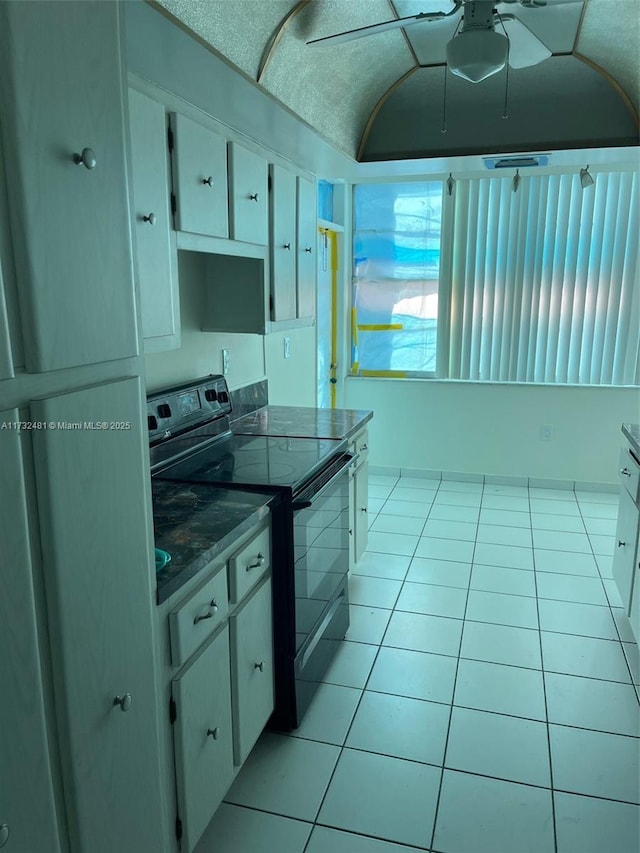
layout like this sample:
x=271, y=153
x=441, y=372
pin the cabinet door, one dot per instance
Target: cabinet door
x=61, y=84
x=283, y=244
x=251, y=671
x=625, y=547
x=155, y=254
x=634, y=610
x=307, y=265
x=26, y=798
x=200, y=178
x=248, y=195
x=203, y=738
x=360, y=508
x=97, y=568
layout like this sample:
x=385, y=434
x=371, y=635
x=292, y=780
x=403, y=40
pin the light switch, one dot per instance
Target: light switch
x=225, y=361
x=287, y=347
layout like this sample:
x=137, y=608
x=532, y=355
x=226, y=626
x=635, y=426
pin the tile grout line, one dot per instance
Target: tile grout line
x=544, y=691
x=453, y=691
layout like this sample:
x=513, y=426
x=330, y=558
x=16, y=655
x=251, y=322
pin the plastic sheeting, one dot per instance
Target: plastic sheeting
x=397, y=238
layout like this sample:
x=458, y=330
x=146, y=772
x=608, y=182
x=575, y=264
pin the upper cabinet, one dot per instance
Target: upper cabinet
x=61, y=82
x=283, y=244
x=306, y=254
x=199, y=159
x=156, y=259
x=248, y=195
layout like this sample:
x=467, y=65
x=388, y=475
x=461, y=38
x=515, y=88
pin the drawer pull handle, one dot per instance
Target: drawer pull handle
x=204, y=616
x=259, y=561
x=259, y=666
x=254, y=197
x=626, y=472
x=621, y=544
x=214, y=733
x=124, y=701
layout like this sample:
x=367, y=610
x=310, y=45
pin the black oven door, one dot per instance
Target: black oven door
x=321, y=554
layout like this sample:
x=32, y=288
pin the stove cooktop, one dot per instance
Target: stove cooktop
x=259, y=461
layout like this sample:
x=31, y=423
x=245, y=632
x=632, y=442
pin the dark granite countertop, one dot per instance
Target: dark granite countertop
x=302, y=422
x=632, y=434
x=195, y=523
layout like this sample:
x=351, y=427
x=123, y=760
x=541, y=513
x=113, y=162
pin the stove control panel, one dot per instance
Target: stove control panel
x=171, y=411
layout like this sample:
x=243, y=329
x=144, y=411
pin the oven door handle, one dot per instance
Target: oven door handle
x=317, y=486
x=297, y=505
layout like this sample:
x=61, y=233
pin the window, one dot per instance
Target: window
x=540, y=285
x=397, y=229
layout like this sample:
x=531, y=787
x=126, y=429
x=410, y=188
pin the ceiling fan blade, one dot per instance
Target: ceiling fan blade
x=385, y=26
x=525, y=48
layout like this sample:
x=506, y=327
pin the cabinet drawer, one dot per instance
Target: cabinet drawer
x=361, y=447
x=630, y=473
x=196, y=619
x=252, y=688
x=249, y=564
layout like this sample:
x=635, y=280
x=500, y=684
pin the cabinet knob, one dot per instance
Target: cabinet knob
x=87, y=159
x=214, y=733
x=363, y=509
x=621, y=544
x=4, y=834
x=259, y=666
x=626, y=472
x=125, y=701
x=208, y=181
x=308, y=250
x=254, y=197
x=287, y=246
x=259, y=561
x=150, y=218
x=364, y=447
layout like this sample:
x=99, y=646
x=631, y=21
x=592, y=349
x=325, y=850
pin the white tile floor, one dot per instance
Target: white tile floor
x=486, y=699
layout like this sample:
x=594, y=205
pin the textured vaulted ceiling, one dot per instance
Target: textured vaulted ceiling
x=358, y=94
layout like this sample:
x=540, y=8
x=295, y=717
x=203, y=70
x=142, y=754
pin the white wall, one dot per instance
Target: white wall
x=495, y=429
x=201, y=352
x=292, y=381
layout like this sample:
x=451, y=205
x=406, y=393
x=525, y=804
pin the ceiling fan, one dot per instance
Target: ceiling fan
x=476, y=50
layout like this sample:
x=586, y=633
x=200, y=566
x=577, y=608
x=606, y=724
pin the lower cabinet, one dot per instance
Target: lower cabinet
x=203, y=736
x=624, y=561
x=360, y=497
x=222, y=686
x=252, y=671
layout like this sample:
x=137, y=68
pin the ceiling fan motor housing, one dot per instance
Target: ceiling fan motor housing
x=478, y=51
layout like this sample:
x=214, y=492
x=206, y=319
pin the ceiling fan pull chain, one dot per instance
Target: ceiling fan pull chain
x=505, y=110
x=443, y=129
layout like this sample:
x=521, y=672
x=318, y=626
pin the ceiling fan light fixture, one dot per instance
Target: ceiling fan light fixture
x=586, y=178
x=477, y=54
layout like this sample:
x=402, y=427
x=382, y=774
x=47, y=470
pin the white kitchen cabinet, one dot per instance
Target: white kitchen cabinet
x=203, y=737
x=97, y=572
x=283, y=244
x=626, y=544
x=248, y=195
x=359, y=494
x=306, y=248
x=27, y=805
x=251, y=670
x=61, y=85
x=199, y=158
x=155, y=250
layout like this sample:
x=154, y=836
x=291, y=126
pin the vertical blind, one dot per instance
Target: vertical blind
x=545, y=281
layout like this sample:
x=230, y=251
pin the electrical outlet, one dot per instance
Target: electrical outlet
x=287, y=347
x=546, y=432
x=226, y=358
